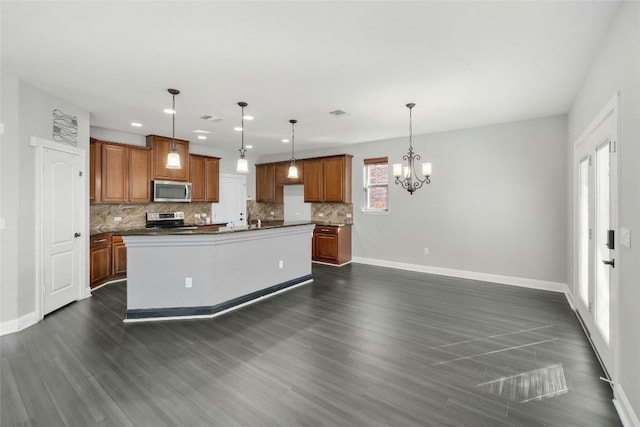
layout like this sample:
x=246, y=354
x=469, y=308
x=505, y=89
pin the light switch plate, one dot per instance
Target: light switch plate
x=2, y=224
x=625, y=237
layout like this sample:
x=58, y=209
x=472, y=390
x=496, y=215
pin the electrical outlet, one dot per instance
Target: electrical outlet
x=320, y=214
x=188, y=282
x=117, y=218
x=281, y=264
x=426, y=251
x=349, y=215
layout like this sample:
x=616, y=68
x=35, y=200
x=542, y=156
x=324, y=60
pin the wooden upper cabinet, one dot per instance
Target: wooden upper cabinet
x=337, y=179
x=161, y=147
x=204, y=176
x=313, y=180
x=92, y=169
x=266, y=190
x=119, y=173
x=139, y=175
x=328, y=179
x=115, y=174
x=282, y=170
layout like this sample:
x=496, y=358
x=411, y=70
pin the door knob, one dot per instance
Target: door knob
x=76, y=235
x=612, y=263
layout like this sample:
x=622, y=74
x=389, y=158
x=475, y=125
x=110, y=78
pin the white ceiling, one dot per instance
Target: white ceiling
x=463, y=63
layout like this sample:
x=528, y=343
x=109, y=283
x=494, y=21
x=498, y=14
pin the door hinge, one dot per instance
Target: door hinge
x=589, y=306
x=80, y=173
x=613, y=147
x=589, y=160
x=589, y=234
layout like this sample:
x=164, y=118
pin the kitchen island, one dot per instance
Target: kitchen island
x=201, y=273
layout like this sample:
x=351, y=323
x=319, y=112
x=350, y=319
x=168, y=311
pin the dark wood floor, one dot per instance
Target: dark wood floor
x=361, y=346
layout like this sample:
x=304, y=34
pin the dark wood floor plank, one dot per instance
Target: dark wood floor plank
x=360, y=346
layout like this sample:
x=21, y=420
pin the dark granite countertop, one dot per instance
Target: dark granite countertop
x=206, y=229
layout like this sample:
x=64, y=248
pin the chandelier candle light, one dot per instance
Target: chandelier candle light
x=173, y=158
x=242, y=166
x=293, y=170
x=405, y=174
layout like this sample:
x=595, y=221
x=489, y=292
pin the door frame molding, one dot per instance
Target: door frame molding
x=40, y=145
x=610, y=109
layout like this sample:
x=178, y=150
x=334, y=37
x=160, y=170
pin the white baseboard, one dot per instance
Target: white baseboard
x=473, y=275
x=15, y=325
x=623, y=406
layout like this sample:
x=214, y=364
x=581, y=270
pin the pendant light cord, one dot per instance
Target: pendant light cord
x=173, y=137
x=293, y=142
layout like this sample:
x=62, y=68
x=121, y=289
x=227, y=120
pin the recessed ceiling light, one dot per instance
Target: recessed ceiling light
x=248, y=117
x=248, y=147
x=169, y=111
x=237, y=129
x=135, y=124
x=285, y=140
x=202, y=137
x=201, y=131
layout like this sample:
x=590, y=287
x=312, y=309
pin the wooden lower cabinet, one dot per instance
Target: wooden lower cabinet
x=99, y=259
x=331, y=244
x=107, y=259
x=119, y=257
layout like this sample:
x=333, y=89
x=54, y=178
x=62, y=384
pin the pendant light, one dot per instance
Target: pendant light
x=242, y=165
x=406, y=175
x=293, y=170
x=173, y=158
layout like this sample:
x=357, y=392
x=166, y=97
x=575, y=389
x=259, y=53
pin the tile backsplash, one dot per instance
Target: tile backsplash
x=134, y=215
x=333, y=213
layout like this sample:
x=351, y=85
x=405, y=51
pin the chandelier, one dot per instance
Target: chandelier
x=406, y=174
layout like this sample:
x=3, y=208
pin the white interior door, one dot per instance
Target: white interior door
x=232, y=205
x=596, y=231
x=62, y=206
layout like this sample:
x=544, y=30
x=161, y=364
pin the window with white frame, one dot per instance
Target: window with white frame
x=376, y=184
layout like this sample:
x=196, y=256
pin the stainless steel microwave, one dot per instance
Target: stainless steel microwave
x=171, y=191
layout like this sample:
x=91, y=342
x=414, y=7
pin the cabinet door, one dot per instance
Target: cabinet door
x=115, y=174
x=212, y=179
x=118, y=256
x=326, y=248
x=196, y=172
x=182, y=147
x=100, y=265
x=313, y=181
x=265, y=182
x=161, y=148
x=92, y=172
x=139, y=175
x=282, y=171
x=334, y=172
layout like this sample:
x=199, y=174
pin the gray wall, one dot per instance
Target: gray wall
x=496, y=204
x=9, y=190
x=617, y=68
x=32, y=112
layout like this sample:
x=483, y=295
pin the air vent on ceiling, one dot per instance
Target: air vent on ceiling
x=338, y=112
x=211, y=118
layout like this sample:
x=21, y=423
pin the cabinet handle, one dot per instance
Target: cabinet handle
x=100, y=241
x=324, y=230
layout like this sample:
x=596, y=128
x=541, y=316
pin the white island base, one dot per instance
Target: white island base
x=189, y=274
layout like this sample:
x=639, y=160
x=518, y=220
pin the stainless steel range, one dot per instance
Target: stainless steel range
x=167, y=220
